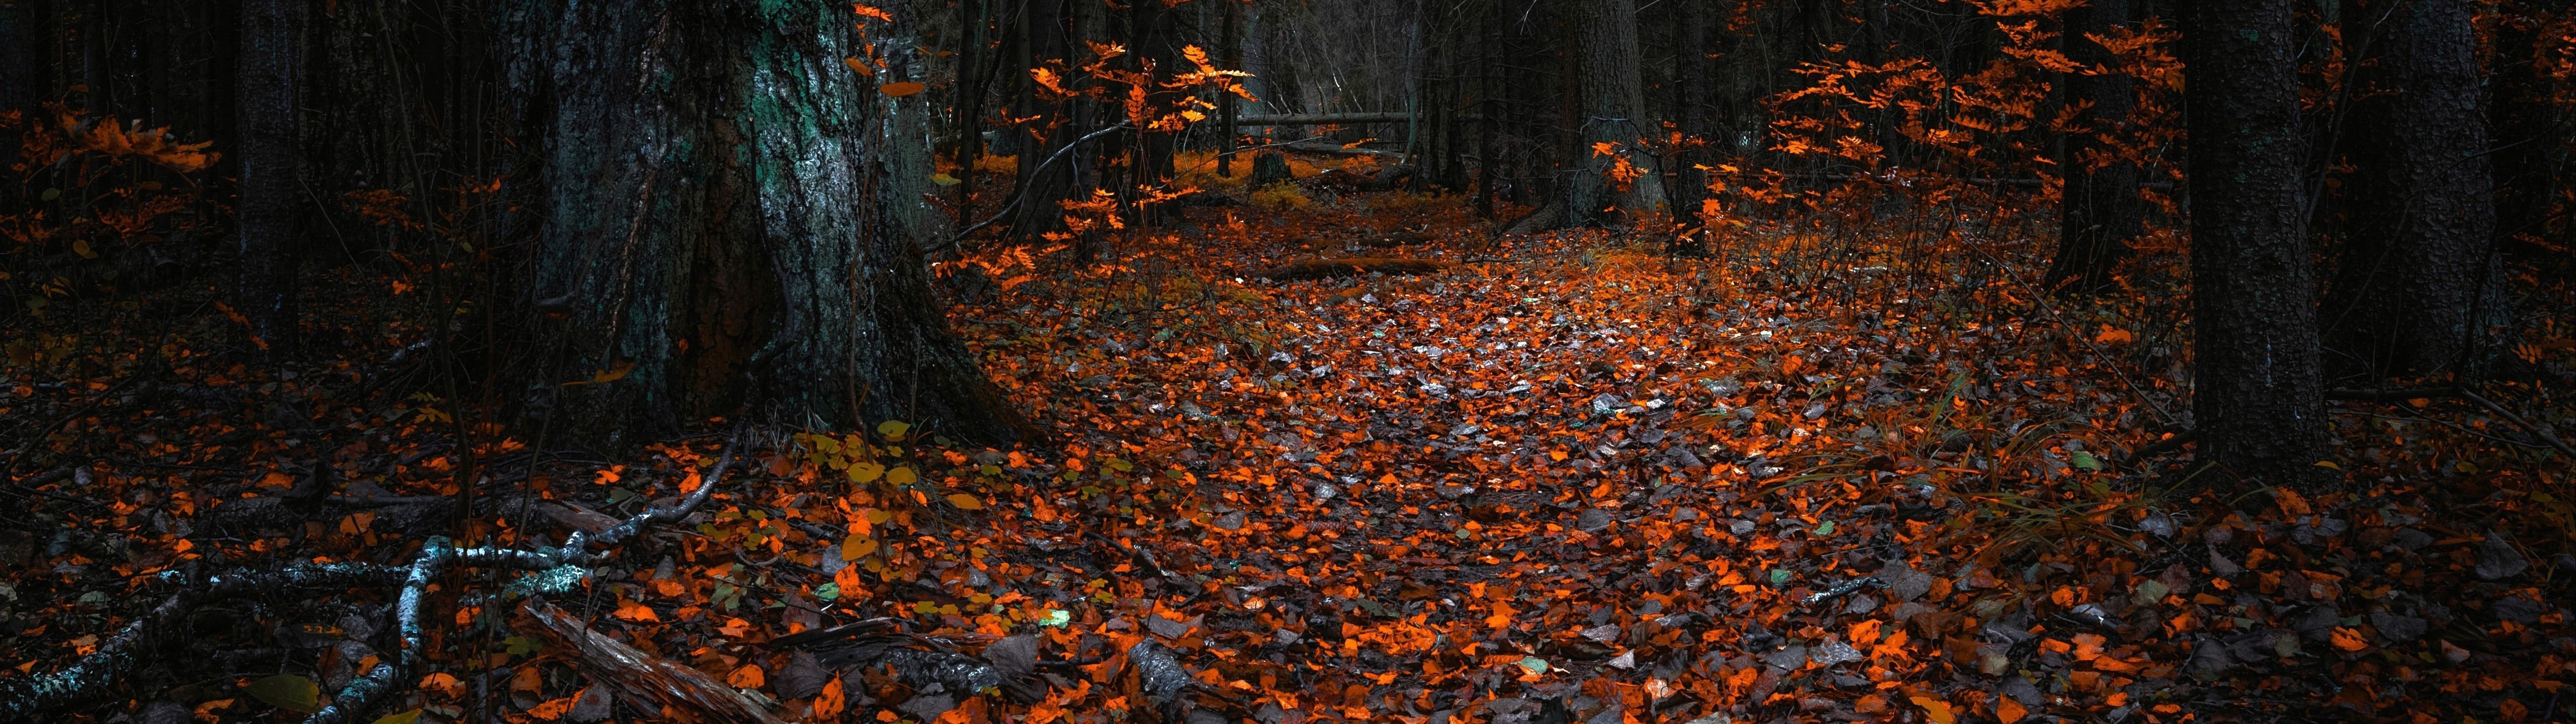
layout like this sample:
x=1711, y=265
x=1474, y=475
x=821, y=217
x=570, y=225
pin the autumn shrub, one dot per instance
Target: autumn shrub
x=97, y=203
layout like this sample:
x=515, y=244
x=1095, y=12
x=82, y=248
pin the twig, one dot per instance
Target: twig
x=1024, y=194
x=2517, y=420
x=2391, y=395
x=2463, y=392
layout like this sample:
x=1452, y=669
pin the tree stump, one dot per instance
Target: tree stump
x=1269, y=168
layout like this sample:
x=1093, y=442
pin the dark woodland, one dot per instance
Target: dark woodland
x=1287, y=361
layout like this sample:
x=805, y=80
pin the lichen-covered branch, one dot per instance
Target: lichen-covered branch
x=101, y=672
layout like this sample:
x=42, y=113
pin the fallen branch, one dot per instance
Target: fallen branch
x=640, y=676
x=103, y=670
x=1311, y=268
x=25, y=698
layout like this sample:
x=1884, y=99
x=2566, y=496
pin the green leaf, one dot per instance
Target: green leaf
x=1534, y=665
x=893, y=429
x=1825, y=528
x=51, y=193
x=2085, y=462
x=828, y=591
x=522, y=645
x=1056, y=617
x=287, y=691
x=408, y=717
x=1779, y=577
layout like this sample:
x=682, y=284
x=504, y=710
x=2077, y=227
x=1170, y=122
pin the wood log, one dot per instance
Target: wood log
x=643, y=676
x=1312, y=269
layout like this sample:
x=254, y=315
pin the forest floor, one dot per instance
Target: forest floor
x=1536, y=480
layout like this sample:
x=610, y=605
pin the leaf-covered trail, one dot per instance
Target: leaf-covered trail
x=1553, y=472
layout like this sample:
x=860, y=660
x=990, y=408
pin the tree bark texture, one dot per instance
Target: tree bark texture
x=2419, y=254
x=718, y=234
x=2257, y=397
x=1611, y=103
x=2100, y=211
x=269, y=164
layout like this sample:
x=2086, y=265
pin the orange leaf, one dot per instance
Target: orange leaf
x=634, y=611
x=749, y=676
x=2349, y=640
x=828, y=703
x=2009, y=711
x=443, y=684
x=965, y=501
x=552, y=710
x=859, y=65
x=899, y=90
x=1935, y=709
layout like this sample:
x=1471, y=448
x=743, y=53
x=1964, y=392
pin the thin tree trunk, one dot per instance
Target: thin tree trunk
x=2100, y=211
x=22, y=78
x=1692, y=106
x=970, y=105
x=269, y=162
x=2419, y=256
x=718, y=235
x=1227, y=103
x=2257, y=396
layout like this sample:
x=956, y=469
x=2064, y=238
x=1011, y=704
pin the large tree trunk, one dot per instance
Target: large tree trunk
x=269, y=162
x=1611, y=108
x=2256, y=396
x=2100, y=210
x=719, y=237
x=2419, y=256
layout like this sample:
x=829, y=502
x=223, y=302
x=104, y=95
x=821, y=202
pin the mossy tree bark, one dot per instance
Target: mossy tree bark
x=719, y=234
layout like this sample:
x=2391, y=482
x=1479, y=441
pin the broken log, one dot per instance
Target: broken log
x=1312, y=269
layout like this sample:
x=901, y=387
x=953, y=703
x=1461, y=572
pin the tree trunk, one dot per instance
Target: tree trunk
x=1228, y=105
x=22, y=83
x=2257, y=397
x=269, y=162
x=2419, y=259
x=2100, y=211
x=1611, y=105
x=719, y=234
x=1690, y=63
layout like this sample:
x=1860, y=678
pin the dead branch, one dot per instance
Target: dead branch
x=641, y=676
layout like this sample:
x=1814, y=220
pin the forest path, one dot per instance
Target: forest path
x=1555, y=471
